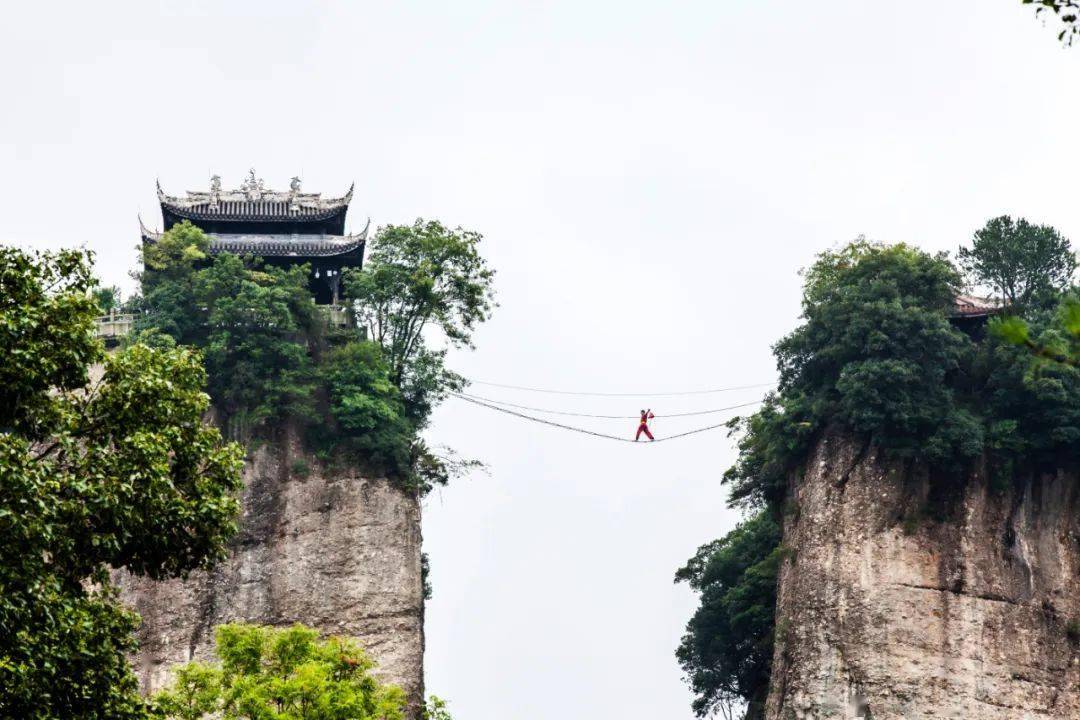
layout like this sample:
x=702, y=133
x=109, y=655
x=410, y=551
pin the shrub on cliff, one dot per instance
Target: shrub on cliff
x=284, y=674
x=726, y=651
x=117, y=472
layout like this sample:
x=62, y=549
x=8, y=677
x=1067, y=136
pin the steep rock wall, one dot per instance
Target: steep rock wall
x=887, y=613
x=327, y=548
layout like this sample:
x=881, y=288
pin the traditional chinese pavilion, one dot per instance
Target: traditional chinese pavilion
x=285, y=228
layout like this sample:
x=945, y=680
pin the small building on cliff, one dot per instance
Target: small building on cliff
x=285, y=228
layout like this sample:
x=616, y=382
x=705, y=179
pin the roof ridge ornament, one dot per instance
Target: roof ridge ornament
x=253, y=187
x=215, y=190
x=294, y=192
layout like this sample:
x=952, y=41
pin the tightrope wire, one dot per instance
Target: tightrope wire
x=583, y=431
x=596, y=394
x=607, y=417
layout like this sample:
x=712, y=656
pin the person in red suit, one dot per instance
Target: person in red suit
x=643, y=427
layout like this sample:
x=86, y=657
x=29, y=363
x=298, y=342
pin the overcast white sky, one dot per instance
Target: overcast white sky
x=649, y=179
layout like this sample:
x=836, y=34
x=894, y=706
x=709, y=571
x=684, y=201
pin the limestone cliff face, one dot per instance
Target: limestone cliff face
x=974, y=616
x=326, y=548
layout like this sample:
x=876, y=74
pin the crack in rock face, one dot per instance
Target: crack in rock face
x=970, y=613
x=331, y=550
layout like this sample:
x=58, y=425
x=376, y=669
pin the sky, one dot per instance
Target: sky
x=649, y=178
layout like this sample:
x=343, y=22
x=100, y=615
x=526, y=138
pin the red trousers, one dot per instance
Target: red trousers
x=643, y=428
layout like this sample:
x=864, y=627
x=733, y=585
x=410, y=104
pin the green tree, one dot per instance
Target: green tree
x=369, y=406
x=1067, y=12
x=255, y=325
x=260, y=326
x=1020, y=261
x=876, y=354
x=119, y=472
x=168, y=297
x=726, y=652
x=265, y=673
x=417, y=276
x=107, y=298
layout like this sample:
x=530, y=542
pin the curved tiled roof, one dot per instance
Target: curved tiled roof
x=257, y=210
x=974, y=306
x=285, y=245
x=253, y=202
x=277, y=245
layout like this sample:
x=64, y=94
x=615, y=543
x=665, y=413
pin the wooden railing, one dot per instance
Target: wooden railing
x=336, y=315
x=114, y=326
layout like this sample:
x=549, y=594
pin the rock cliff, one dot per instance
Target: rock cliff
x=319, y=546
x=889, y=610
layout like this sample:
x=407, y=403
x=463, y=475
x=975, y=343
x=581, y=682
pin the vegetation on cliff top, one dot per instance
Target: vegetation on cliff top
x=280, y=673
x=368, y=388
x=116, y=472
x=878, y=357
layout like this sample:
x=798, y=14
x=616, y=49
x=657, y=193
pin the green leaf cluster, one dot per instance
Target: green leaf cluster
x=266, y=673
x=726, y=651
x=112, y=471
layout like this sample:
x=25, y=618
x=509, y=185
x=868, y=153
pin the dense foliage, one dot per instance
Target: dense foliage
x=877, y=357
x=417, y=275
x=1022, y=263
x=114, y=472
x=265, y=673
x=876, y=354
x=1060, y=346
x=727, y=649
x=366, y=390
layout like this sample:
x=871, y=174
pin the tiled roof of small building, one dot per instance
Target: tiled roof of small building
x=252, y=201
x=973, y=306
x=277, y=245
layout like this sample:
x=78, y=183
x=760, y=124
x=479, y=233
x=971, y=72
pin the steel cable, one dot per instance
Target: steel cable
x=583, y=431
x=606, y=417
x=595, y=394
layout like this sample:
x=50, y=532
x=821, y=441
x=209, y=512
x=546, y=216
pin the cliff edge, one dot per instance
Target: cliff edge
x=323, y=547
x=886, y=611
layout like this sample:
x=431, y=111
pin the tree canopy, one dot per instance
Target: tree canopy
x=266, y=673
x=1021, y=262
x=419, y=275
x=726, y=652
x=116, y=471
